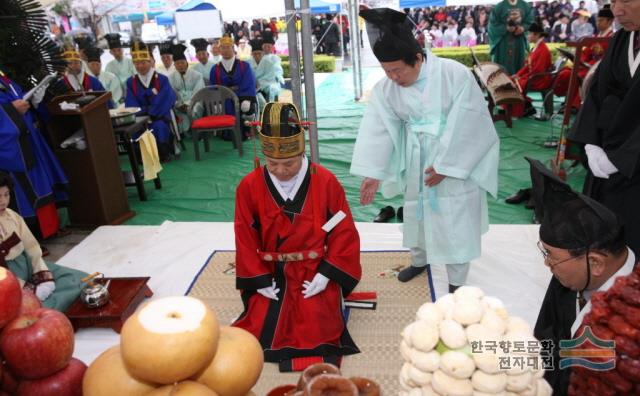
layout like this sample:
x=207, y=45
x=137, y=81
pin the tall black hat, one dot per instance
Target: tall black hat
x=177, y=51
x=93, y=54
x=166, y=48
x=390, y=38
x=200, y=44
x=256, y=44
x=569, y=220
x=113, y=40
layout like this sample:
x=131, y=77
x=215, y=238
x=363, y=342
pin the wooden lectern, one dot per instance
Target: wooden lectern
x=97, y=194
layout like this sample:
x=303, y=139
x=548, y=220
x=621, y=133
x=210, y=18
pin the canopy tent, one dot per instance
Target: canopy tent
x=196, y=5
x=422, y=3
x=322, y=7
x=243, y=10
x=135, y=17
x=164, y=19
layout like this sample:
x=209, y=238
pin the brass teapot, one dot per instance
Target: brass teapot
x=94, y=294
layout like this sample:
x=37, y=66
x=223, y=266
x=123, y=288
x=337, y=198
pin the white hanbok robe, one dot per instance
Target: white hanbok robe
x=185, y=87
x=112, y=84
x=204, y=70
x=442, y=121
x=163, y=70
x=269, y=76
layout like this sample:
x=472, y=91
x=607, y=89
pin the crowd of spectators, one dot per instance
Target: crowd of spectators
x=444, y=26
x=467, y=26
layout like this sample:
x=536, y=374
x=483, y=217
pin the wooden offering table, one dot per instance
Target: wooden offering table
x=125, y=294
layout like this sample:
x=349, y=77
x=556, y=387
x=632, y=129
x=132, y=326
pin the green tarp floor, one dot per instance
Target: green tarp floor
x=205, y=190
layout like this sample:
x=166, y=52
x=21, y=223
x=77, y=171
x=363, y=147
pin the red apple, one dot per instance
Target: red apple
x=30, y=303
x=66, y=382
x=10, y=296
x=37, y=345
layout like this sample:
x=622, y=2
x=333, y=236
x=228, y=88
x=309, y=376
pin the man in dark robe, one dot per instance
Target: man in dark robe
x=609, y=125
x=583, y=245
x=298, y=250
x=39, y=180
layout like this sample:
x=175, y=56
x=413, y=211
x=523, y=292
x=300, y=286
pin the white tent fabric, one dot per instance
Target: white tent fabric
x=172, y=254
x=246, y=10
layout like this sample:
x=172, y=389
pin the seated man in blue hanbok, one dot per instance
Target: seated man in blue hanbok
x=40, y=182
x=185, y=82
x=238, y=76
x=76, y=79
x=267, y=68
x=152, y=93
x=56, y=286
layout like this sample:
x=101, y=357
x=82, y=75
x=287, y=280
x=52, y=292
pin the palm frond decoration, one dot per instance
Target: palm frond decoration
x=27, y=53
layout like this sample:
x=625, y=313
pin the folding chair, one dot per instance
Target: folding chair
x=207, y=110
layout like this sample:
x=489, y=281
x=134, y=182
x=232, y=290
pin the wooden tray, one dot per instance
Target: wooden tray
x=125, y=294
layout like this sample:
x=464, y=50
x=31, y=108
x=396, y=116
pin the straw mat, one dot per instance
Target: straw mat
x=376, y=332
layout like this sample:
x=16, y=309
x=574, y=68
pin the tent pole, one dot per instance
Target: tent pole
x=309, y=86
x=356, y=62
x=294, y=55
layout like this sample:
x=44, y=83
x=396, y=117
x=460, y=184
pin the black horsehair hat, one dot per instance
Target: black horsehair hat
x=390, y=38
x=568, y=219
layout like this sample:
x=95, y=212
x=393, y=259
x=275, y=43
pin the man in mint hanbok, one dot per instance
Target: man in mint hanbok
x=108, y=80
x=204, y=64
x=427, y=134
x=185, y=82
x=509, y=21
x=121, y=66
x=268, y=71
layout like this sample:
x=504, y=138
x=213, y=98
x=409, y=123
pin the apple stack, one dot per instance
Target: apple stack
x=175, y=346
x=36, y=346
x=614, y=316
x=446, y=350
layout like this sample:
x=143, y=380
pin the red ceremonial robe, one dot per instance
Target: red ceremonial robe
x=590, y=56
x=267, y=228
x=538, y=61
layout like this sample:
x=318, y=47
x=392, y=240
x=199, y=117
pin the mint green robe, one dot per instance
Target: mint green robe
x=185, y=86
x=442, y=121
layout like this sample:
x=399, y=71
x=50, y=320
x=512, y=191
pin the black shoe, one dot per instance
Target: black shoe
x=529, y=111
x=519, y=197
x=400, y=214
x=551, y=143
x=410, y=272
x=387, y=213
x=531, y=204
x=453, y=288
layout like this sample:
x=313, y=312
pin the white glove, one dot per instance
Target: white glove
x=44, y=290
x=38, y=95
x=317, y=285
x=599, y=163
x=245, y=106
x=270, y=292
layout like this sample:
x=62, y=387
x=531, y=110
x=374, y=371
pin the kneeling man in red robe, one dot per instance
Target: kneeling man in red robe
x=297, y=250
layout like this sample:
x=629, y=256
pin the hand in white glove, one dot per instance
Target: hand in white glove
x=270, y=291
x=44, y=290
x=317, y=285
x=599, y=163
x=245, y=106
x=37, y=97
